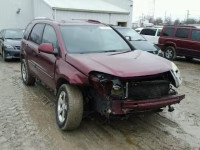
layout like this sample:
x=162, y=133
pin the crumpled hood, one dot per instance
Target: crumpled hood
x=12, y=42
x=130, y=64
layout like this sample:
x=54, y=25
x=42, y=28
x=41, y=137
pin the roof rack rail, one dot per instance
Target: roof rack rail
x=42, y=18
x=180, y=26
x=88, y=20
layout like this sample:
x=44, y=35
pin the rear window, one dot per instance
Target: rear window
x=168, y=32
x=150, y=32
x=195, y=35
x=182, y=33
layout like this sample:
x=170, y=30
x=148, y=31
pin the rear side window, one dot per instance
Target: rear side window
x=49, y=36
x=150, y=32
x=195, y=35
x=36, y=34
x=182, y=33
x=168, y=32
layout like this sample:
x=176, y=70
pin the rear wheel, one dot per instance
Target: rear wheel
x=69, y=107
x=170, y=53
x=27, y=78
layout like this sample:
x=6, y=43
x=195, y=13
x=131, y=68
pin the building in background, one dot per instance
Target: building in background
x=17, y=14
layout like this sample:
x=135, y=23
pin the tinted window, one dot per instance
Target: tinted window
x=150, y=32
x=182, y=33
x=27, y=31
x=92, y=39
x=168, y=32
x=159, y=32
x=195, y=35
x=36, y=34
x=49, y=36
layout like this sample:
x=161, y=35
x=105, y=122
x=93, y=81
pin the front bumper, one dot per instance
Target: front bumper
x=12, y=54
x=119, y=107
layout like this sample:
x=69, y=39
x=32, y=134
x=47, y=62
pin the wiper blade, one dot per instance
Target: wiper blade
x=109, y=51
x=139, y=40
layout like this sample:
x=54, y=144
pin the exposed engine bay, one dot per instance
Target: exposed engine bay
x=107, y=89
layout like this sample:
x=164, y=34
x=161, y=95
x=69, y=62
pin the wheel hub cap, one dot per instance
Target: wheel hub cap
x=62, y=107
x=169, y=53
x=24, y=72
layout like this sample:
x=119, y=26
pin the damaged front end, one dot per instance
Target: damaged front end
x=119, y=96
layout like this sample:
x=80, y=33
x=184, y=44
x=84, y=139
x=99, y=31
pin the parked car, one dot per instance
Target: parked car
x=151, y=34
x=180, y=41
x=10, y=41
x=138, y=41
x=138, y=30
x=91, y=67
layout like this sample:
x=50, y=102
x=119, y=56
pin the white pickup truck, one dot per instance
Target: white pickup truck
x=151, y=34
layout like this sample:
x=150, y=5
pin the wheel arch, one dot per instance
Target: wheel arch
x=170, y=44
x=60, y=82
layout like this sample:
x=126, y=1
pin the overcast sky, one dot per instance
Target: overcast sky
x=174, y=8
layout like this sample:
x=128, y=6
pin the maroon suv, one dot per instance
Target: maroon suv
x=92, y=67
x=180, y=41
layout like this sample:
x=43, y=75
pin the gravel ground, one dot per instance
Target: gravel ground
x=27, y=119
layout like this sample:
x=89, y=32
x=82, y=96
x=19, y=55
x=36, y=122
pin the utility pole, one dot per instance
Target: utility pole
x=187, y=16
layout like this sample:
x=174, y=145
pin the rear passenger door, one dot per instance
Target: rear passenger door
x=34, y=40
x=182, y=40
x=47, y=62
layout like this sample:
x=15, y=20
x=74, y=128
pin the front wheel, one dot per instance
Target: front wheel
x=27, y=78
x=170, y=53
x=4, y=55
x=69, y=107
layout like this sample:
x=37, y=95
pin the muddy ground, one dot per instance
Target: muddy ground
x=27, y=119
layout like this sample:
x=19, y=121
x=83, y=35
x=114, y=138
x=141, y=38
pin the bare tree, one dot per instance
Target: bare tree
x=168, y=21
x=158, y=21
x=191, y=21
x=177, y=22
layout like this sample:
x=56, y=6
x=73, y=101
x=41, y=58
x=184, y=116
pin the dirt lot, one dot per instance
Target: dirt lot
x=27, y=119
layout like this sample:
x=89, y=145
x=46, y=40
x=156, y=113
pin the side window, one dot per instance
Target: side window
x=36, y=34
x=195, y=35
x=182, y=33
x=168, y=32
x=150, y=32
x=159, y=32
x=49, y=36
x=27, y=31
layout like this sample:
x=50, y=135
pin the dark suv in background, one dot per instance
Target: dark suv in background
x=10, y=42
x=138, y=41
x=180, y=41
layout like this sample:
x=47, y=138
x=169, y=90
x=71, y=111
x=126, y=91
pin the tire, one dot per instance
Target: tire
x=170, y=53
x=27, y=78
x=69, y=107
x=188, y=58
x=3, y=55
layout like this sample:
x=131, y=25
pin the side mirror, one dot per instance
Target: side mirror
x=128, y=38
x=46, y=48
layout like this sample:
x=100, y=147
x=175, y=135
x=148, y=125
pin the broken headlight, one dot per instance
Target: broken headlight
x=107, y=85
x=175, y=72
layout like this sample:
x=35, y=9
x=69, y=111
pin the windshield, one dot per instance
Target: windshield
x=92, y=39
x=132, y=33
x=14, y=34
